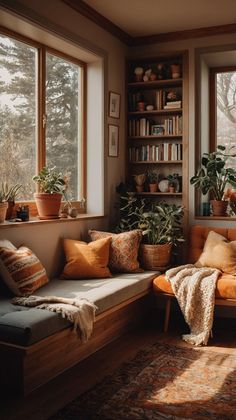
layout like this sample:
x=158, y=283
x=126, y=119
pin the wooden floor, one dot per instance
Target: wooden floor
x=44, y=402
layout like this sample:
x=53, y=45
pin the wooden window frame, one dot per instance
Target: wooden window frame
x=212, y=103
x=41, y=138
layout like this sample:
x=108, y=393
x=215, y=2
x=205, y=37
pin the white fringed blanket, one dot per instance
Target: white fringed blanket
x=81, y=312
x=194, y=289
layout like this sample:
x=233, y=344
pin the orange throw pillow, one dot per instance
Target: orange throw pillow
x=124, y=250
x=21, y=270
x=86, y=261
x=219, y=253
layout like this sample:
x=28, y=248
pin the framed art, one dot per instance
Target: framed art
x=157, y=130
x=114, y=105
x=113, y=140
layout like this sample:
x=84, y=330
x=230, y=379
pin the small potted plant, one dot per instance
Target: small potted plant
x=214, y=176
x=11, y=193
x=52, y=185
x=3, y=204
x=152, y=178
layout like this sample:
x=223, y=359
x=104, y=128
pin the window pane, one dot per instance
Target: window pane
x=18, y=114
x=226, y=109
x=63, y=129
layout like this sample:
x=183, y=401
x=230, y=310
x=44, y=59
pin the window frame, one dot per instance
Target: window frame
x=41, y=113
x=213, y=103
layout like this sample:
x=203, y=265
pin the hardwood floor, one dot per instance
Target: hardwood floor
x=45, y=401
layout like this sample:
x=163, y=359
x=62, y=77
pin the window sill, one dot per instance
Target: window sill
x=233, y=218
x=36, y=221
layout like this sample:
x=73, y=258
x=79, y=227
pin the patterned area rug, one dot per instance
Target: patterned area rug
x=163, y=382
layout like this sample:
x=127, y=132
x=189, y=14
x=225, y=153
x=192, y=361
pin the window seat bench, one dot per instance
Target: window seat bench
x=36, y=345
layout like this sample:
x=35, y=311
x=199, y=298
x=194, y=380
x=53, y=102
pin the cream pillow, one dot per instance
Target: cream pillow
x=84, y=261
x=219, y=253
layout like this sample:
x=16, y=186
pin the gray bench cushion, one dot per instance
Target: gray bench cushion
x=24, y=326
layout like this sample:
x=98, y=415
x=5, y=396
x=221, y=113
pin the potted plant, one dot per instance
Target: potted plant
x=152, y=179
x=213, y=177
x=3, y=204
x=161, y=226
x=52, y=185
x=10, y=193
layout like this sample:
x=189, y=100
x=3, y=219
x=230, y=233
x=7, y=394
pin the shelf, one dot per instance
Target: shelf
x=165, y=137
x=159, y=193
x=155, y=83
x=156, y=112
x=156, y=162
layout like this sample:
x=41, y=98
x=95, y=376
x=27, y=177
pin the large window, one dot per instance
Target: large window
x=41, y=114
x=223, y=107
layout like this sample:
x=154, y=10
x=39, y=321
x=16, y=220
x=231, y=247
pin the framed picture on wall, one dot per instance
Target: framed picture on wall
x=114, y=105
x=113, y=140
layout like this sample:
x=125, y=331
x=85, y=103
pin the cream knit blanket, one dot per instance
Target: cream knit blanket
x=81, y=312
x=194, y=289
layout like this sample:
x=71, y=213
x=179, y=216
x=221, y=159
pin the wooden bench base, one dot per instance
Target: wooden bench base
x=26, y=368
x=169, y=298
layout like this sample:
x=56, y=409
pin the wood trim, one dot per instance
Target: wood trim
x=185, y=34
x=96, y=17
x=40, y=155
x=212, y=110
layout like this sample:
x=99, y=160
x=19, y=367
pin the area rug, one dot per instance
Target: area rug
x=163, y=382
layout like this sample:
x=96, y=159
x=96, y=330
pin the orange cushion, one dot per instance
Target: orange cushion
x=225, y=286
x=86, y=260
x=21, y=270
x=124, y=250
x=218, y=253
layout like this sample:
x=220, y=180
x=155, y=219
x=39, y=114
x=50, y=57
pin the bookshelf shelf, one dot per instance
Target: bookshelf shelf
x=156, y=112
x=156, y=83
x=147, y=162
x=159, y=137
x=159, y=193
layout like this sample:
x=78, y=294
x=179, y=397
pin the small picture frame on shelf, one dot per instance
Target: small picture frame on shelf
x=157, y=130
x=114, y=105
x=113, y=140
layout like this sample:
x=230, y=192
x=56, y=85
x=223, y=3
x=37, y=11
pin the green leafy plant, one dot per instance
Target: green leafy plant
x=152, y=177
x=51, y=181
x=213, y=175
x=160, y=223
x=10, y=193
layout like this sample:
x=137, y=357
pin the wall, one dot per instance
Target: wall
x=54, y=23
x=190, y=45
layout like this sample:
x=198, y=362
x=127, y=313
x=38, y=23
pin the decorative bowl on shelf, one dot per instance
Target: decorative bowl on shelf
x=163, y=185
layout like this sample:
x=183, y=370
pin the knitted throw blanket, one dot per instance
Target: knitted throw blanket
x=81, y=312
x=194, y=289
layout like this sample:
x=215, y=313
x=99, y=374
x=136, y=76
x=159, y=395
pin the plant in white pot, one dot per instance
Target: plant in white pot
x=214, y=176
x=52, y=185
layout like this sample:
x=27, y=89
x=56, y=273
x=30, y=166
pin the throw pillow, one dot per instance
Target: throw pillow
x=84, y=261
x=124, y=250
x=219, y=253
x=21, y=270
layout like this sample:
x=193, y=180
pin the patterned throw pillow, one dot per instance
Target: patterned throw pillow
x=86, y=261
x=21, y=270
x=124, y=250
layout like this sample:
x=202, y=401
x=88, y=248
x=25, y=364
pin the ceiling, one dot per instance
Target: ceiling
x=150, y=17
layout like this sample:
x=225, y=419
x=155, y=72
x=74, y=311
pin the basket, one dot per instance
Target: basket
x=155, y=257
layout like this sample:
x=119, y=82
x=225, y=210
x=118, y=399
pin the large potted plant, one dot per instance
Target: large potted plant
x=214, y=176
x=52, y=185
x=161, y=226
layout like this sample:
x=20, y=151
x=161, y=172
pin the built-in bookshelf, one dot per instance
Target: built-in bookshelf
x=157, y=122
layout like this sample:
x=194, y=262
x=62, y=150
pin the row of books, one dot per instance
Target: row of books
x=155, y=153
x=144, y=127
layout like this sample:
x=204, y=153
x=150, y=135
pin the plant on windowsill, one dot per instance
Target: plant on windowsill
x=214, y=176
x=160, y=225
x=3, y=204
x=10, y=193
x=52, y=185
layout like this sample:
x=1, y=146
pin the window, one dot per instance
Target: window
x=41, y=114
x=223, y=107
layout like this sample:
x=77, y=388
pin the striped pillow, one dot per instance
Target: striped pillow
x=21, y=270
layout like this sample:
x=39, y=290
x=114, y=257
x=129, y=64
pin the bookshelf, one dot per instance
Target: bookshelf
x=157, y=122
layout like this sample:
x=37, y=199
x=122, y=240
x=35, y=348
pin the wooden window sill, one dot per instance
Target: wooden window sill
x=36, y=221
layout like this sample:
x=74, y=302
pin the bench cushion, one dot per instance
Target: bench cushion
x=225, y=286
x=24, y=326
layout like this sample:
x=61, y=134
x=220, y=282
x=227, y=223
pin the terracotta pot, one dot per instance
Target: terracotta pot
x=139, y=188
x=155, y=257
x=153, y=187
x=175, y=71
x=48, y=205
x=10, y=210
x=3, y=211
x=219, y=208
